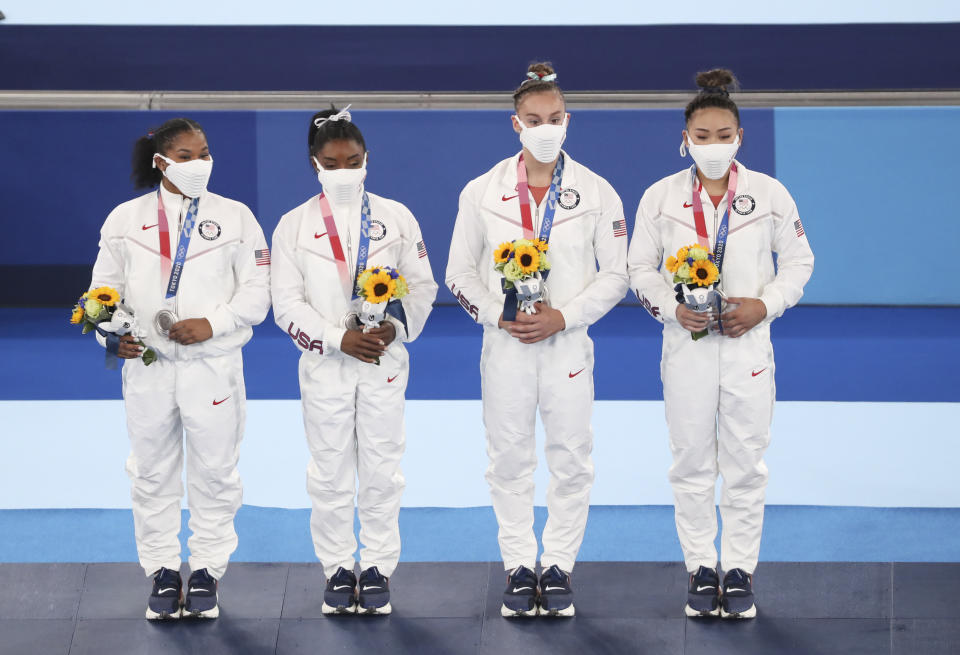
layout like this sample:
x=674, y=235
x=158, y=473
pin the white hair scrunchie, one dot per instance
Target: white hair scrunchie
x=342, y=115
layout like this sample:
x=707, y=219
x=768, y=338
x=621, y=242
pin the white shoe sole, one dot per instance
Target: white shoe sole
x=156, y=616
x=207, y=614
x=328, y=609
x=373, y=611
x=749, y=614
x=693, y=614
x=569, y=610
x=508, y=613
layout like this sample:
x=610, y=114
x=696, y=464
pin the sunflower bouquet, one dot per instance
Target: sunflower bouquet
x=380, y=289
x=100, y=309
x=696, y=277
x=524, y=266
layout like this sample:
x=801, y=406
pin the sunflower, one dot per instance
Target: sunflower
x=77, y=315
x=704, y=272
x=541, y=245
x=503, y=252
x=672, y=263
x=105, y=296
x=683, y=253
x=528, y=258
x=379, y=287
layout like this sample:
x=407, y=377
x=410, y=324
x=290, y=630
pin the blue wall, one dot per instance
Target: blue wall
x=873, y=184
x=472, y=58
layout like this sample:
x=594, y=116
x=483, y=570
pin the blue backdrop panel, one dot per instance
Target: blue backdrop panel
x=492, y=58
x=421, y=158
x=822, y=353
x=875, y=189
x=66, y=170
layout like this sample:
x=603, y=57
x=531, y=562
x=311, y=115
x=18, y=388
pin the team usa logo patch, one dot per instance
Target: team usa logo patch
x=744, y=204
x=569, y=198
x=377, y=230
x=619, y=228
x=262, y=257
x=209, y=230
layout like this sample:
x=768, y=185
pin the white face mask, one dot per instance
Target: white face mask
x=190, y=177
x=712, y=159
x=342, y=186
x=543, y=141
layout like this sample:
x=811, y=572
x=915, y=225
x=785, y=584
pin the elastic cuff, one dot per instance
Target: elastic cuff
x=222, y=321
x=774, y=304
x=150, y=568
x=386, y=570
x=571, y=318
x=565, y=565
x=510, y=565
x=491, y=315
x=333, y=337
x=401, y=332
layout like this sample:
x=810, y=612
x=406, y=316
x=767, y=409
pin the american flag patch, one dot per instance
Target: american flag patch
x=620, y=228
x=798, y=226
x=421, y=249
x=262, y=257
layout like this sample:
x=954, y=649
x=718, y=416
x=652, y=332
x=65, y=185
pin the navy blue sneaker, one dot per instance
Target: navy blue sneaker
x=374, y=592
x=340, y=596
x=164, y=602
x=737, y=600
x=202, y=598
x=521, y=595
x=556, y=594
x=703, y=593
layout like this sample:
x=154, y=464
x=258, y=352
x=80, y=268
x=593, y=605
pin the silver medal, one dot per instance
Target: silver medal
x=163, y=321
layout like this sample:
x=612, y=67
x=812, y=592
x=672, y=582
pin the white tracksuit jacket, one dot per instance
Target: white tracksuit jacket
x=197, y=389
x=555, y=374
x=718, y=391
x=352, y=410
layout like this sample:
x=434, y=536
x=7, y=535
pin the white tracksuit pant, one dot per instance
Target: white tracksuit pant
x=557, y=375
x=204, y=399
x=353, y=415
x=719, y=394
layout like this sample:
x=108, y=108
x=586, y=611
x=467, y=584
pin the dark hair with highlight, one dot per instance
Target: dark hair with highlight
x=318, y=137
x=160, y=140
x=715, y=88
x=531, y=85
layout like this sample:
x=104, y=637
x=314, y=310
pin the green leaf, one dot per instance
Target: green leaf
x=88, y=327
x=698, y=335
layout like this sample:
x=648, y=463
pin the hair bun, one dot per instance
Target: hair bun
x=716, y=81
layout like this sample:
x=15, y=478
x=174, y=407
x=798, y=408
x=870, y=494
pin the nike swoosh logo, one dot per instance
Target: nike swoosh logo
x=217, y=402
x=554, y=588
x=147, y=227
x=756, y=373
x=729, y=589
x=573, y=375
x=372, y=587
x=389, y=380
x=317, y=236
x=515, y=589
x=163, y=591
x=194, y=589
x=706, y=587
x=506, y=198
x=687, y=205
x=343, y=586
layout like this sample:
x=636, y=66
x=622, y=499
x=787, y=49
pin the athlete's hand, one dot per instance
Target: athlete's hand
x=744, y=318
x=387, y=332
x=129, y=349
x=191, y=330
x=537, y=327
x=691, y=320
x=365, y=347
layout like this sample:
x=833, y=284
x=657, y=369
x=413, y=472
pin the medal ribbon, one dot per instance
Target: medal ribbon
x=703, y=239
x=721, y=240
x=173, y=270
x=523, y=195
x=363, y=250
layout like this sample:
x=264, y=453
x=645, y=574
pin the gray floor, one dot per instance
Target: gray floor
x=635, y=607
